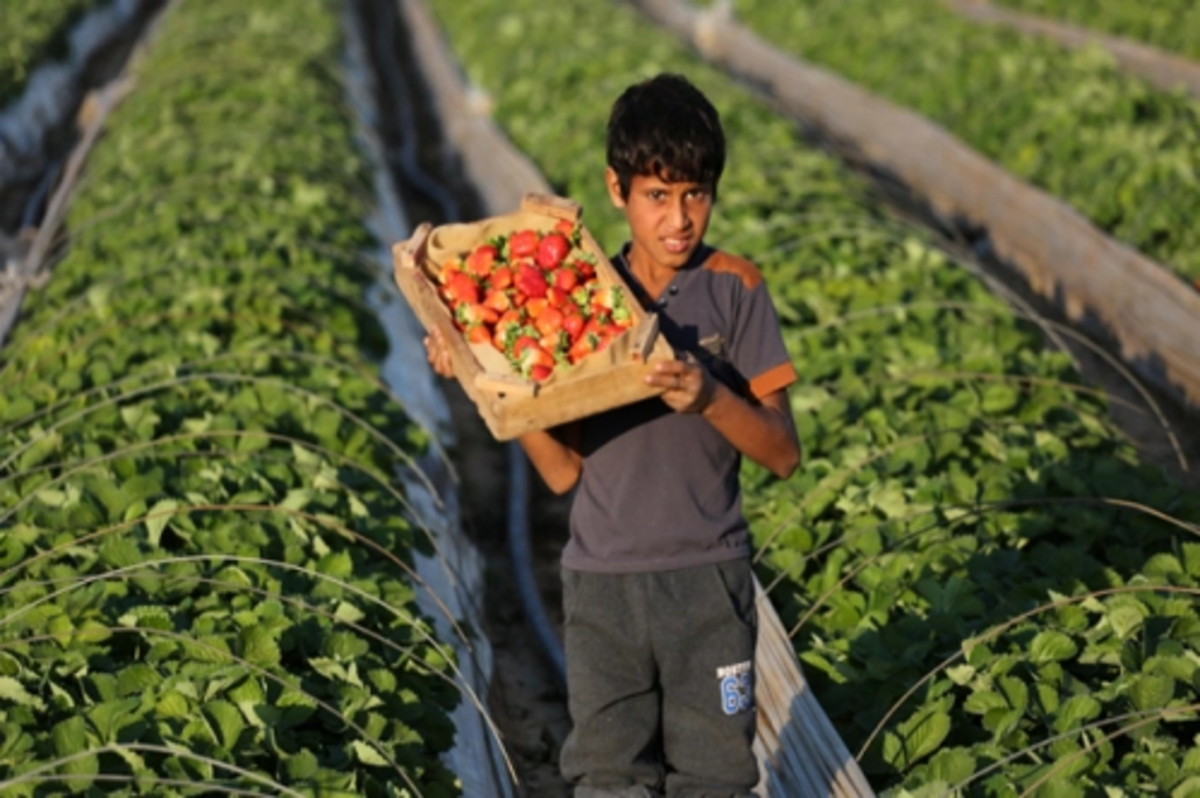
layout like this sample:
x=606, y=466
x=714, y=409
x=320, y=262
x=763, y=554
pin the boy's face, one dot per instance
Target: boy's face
x=667, y=220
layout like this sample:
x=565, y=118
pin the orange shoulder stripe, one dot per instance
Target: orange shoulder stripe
x=724, y=263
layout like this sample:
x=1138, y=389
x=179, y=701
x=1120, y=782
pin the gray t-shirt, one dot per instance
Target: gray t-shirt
x=659, y=489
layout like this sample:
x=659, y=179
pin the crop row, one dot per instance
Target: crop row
x=207, y=570
x=1172, y=25
x=957, y=480
x=1123, y=153
x=33, y=31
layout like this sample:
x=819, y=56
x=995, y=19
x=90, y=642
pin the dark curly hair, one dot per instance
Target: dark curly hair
x=665, y=127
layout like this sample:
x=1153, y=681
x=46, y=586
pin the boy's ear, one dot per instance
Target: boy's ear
x=613, y=183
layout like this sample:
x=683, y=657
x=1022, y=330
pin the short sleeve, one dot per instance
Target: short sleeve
x=756, y=347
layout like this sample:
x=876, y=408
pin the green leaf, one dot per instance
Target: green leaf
x=1152, y=691
x=13, y=691
x=1052, y=646
x=69, y=738
x=302, y=765
x=110, y=717
x=1076, y=711
x=368, y=754
x=259, y=647
x=228, y=722
x=157, y=519
x=916, y=738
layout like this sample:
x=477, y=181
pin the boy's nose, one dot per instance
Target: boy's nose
x=679, y=218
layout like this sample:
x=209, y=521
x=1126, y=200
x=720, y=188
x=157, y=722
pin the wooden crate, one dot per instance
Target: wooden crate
x=510, y=404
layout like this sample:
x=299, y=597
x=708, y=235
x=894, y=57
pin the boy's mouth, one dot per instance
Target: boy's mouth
x=676, y=246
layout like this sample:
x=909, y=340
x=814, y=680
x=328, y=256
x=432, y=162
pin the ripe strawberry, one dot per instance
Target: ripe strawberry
x=551, y=250
x=536, y=307
x=611, y=301
x=471, y=315
x=549, y=321
x=573, y=322
x=530, y=281
x=565, y=278
x=460, y=288
x=481, y=260
x=522, y=244
x=479, y=334
x=497, y=300
x=522, y=343
x=450, y=267
x=585, y=268
x=584, y=345
x=534, y=355
x=502, y=277
x=540, y=373
x=565, y=226
x=557, y=297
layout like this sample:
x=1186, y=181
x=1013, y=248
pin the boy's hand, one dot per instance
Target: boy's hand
x=438, y=354
x=689, y=386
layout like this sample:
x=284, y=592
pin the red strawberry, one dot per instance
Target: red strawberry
x=573, y=323
x=565, y=278
x=557, y=297
x=522, y=244
x=565, y=226
x=530, y=282
x=497, y=300
x=502, y=277
x=534, y=355
x=584, y=345
x=460, y=288
x=551, y=250
x=479, y=334
x=480, y=261
x=471, y=315
x=586, y=270
x=540, y=373
x=522, y=343
x=549, y=321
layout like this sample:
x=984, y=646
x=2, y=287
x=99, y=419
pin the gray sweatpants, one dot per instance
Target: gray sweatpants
x=660, y=682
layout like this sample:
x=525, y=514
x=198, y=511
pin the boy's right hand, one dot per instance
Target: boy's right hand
x=438, y=354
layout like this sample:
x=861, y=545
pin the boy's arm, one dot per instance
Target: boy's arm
x=555, y=455
x=761, y=429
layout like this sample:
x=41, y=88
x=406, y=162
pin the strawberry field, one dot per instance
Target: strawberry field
x=1123, y=153
x=212, y=504
x=1173, y=25
x=33, y=32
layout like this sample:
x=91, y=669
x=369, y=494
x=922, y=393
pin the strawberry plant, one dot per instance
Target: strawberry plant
x=1172, y=25
x=207, y=563
x=1120, y=151
x=525, y=294
x=34, y=32
x=987, y=586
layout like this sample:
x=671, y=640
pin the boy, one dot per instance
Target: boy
x=658, y=592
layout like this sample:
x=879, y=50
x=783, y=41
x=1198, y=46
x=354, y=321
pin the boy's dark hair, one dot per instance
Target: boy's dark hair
x=665, y=127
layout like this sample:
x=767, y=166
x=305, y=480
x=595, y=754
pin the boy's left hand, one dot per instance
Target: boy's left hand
x=689, y=386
